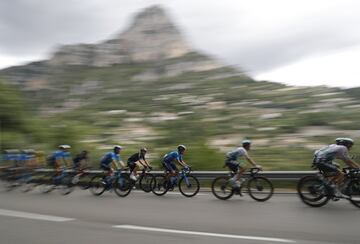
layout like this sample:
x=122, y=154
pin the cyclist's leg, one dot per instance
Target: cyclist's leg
x=132, y=167
x=334, y=175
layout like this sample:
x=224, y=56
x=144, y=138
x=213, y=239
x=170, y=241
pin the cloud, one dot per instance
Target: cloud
x=257, y=35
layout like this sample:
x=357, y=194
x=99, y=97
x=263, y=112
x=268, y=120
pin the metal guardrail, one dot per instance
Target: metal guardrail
x=209, y=175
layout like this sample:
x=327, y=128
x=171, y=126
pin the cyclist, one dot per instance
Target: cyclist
x=323, y=160
x=80, y=160
x=60, y=157
x=236, y=167
x=173, y=157
x=136, y=161
x=110, y=162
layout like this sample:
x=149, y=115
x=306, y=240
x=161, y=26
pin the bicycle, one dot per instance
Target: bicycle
x=18, y=178
x=80, y=177
x=259, y=188
x=188, y=184
x=317, y=190
x=60, y=181
x=119, y=181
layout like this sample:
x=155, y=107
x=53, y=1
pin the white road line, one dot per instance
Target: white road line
x=26, y=215
x=257, y=238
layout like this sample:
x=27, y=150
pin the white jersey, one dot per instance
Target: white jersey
x=237, y=153
x=331, y=152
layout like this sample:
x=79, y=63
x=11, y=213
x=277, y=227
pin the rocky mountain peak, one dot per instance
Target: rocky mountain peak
x=151, y=36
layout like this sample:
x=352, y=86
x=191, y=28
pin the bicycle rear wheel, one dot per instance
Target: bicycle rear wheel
x=189, y=186
x=221, y=188
x=353, y=190
x=123, y=185
x=97, y=185
x=313, y=191
x=260, y=188
x=145, y=182
x=159, y=185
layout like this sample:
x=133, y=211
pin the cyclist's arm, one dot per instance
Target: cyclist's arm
x=251, y=161
x=351, y=163
x=144, y=163
x=182, y=163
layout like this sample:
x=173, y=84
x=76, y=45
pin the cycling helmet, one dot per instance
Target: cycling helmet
x=344, y=141
x=64, y=146
x=143, y=150
x=117, y=147
x=181, y=148
x=246, y=143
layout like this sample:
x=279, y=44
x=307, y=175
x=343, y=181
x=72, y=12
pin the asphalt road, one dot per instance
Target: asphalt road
x=145, y=218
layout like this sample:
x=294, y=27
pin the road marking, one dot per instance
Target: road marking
x=26, y=215
x=257, y=238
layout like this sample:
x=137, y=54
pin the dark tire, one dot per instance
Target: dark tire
x=66, y=187
x=189, y=186
x=123, y=185
x=97, y=186
x=221, y=188
x=313, y=191
x=159, y=186
x=353, y=190
x=260, y=188
x=84, y=182
x=145, y=182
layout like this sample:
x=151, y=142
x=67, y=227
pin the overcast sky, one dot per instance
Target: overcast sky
x=304, y=42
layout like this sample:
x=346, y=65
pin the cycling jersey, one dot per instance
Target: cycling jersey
x=329, y=153
x=108, y=158
x=235, y=154
x=77, y=160
x=136, y=157
x=170, y=157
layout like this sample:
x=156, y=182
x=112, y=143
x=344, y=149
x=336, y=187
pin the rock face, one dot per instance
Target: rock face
x=151, y=36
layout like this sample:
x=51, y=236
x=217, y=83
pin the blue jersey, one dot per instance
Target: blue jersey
x=170, y=157
x=109, y=157
x=58, y=155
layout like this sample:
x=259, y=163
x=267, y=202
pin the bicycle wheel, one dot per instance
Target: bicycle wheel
x=189, y=185
x=313, y=191
x=353, y=190
x=66, y=186
x=221, y=188
x=260, y=188
x=159, y=185
x=97, y=185
x=145, y=182
x=123, y=185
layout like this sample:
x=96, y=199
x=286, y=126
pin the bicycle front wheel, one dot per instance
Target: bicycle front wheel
x=189, y=185
x=222, y=188
x=313, y=191
x=145, y=182
x=97, y=185
x=353, y=190
x=159, y=185
x=123, y=185
x=260, y=188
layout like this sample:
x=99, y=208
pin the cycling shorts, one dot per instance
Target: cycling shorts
x=170, y=166
x=327, y=167
x=105, y=167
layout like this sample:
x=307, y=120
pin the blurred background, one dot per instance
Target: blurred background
x=92, y=75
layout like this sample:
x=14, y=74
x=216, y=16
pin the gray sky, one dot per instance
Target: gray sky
x=297, y=42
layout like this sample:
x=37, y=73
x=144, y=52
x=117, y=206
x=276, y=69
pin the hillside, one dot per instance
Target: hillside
x=169, y=97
